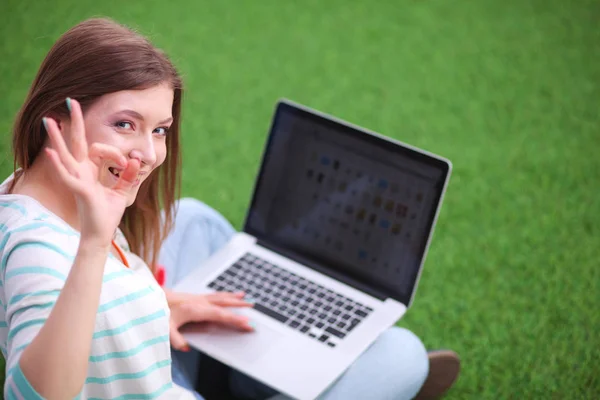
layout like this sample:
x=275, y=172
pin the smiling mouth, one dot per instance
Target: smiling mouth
x=117, y=173
x=114, y=171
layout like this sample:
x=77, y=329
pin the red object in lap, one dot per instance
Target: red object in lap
x=160, y=275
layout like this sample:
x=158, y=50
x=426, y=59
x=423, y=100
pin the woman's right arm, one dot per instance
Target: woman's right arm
x=54, y=363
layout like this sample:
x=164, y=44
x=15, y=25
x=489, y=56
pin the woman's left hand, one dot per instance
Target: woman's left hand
x=212, y=307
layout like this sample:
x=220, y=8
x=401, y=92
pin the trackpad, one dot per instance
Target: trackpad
x=249, y=346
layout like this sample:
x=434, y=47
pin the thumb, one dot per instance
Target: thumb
x=178, y=342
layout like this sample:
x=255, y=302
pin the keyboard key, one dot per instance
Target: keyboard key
x=331, y=320
x=345, y=317
x=337, y=312
x=349, y=308
x=360, y=313
x=327, y=308
x=271, y=313
x=323, y=338
x=310, y=321
x=351, y=326
x=305, y=329
x=294, y=324
x=330, y=344
x=335, y=332
x=319, y=325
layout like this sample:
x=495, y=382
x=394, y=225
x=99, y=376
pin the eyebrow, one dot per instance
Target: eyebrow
x=139, y=116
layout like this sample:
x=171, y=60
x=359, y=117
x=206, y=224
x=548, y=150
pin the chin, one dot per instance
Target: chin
x=131, y=198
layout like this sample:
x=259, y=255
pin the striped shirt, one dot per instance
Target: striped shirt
x=130, y=354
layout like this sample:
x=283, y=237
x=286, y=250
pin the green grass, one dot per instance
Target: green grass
x=508, y=90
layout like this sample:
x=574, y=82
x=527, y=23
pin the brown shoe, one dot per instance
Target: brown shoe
x=444, y=366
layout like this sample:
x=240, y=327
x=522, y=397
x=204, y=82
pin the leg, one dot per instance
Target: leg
x=181, y=378
x=394, y=367
x=197, y=233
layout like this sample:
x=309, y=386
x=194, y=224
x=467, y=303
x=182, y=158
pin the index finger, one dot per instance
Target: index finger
x=79, y=147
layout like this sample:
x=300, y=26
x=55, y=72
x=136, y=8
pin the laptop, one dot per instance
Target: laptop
x=332, y=248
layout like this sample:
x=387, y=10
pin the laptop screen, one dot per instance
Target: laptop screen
x=350, y=201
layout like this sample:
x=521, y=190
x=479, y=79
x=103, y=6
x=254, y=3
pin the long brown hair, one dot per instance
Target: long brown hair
x=96, y=57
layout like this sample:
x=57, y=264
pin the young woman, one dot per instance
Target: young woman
x=97, y=156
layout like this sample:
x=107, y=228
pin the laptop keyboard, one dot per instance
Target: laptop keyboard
x=301, y=304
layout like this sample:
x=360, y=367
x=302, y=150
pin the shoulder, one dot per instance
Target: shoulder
x=24, y=223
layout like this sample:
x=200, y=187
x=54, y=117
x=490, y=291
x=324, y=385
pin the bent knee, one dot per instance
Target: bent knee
x=406, y=352
x=190, y=205
x=189, y=210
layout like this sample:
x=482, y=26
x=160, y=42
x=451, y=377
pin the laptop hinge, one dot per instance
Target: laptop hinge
x=326, y=271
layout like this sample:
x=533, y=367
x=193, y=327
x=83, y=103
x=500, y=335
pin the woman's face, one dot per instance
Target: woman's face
x=136, y=122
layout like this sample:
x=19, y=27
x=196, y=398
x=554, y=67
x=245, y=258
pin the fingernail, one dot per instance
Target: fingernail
x=251, y=324
x=69, y=103
x=185, y=348
x=250, y=300
x=45, y=123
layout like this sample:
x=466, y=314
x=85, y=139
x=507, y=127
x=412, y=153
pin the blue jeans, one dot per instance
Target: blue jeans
x=394, y=367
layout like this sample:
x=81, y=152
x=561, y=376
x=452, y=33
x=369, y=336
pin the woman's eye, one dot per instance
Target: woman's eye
x=124, y=124
x=162, y=131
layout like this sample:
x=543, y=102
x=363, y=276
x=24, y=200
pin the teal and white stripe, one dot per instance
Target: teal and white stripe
x=130, y=355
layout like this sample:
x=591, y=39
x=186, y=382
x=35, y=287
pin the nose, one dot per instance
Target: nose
x=144, y=150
